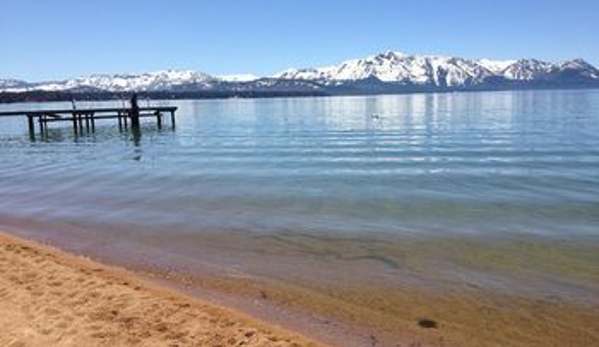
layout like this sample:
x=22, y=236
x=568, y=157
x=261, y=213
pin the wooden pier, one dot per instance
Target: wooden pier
x=85, y=119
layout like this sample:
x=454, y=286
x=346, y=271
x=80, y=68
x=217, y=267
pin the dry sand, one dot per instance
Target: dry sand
x=50, y=298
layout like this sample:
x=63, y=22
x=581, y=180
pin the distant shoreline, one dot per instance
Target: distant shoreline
x=49, y=96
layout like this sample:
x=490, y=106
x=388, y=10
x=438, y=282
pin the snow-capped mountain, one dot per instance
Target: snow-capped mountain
x=527, y=70
x=11, y=83
x=438, y=71
x=151, y=81
x=495, y=66
x=397, y=67
x=238, y=78
x=388, y=72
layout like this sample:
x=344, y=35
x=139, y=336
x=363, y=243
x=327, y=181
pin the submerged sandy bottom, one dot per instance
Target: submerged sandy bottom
x=382, y=310
x=360, y=291
x=49, y=298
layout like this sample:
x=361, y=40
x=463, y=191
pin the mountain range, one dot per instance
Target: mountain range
x=388, y=72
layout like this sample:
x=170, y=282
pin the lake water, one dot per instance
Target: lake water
x=445, y=163
x=295, y=181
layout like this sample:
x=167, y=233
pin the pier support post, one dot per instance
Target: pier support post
x=87, y=125
x=134, y=112
x=31, y=125
x=159, y=120
x=119, y=116
x=74, y=122
x=40, y=120
x=93, y=120
x=173, y=119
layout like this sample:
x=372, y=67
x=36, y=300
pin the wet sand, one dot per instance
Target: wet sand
x=404, y=316
x=417, y=304
x=50, y=298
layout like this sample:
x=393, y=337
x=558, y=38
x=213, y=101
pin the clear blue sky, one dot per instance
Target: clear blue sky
x=55, y=39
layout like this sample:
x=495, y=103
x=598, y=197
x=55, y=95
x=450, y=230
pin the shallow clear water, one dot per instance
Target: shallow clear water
x=336, y=202
x=475, y=189
x=503, y=162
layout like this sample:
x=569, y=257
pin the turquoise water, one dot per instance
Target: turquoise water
x=484, y=163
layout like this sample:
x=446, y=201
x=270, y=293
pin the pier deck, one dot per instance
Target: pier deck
x=85, y=119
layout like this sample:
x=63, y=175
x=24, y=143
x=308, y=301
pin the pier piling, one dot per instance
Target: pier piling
x=31, y=125
x=90, y=116
x=159, y=119
x=134, y=112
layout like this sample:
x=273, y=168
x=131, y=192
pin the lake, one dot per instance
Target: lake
x=497, y=191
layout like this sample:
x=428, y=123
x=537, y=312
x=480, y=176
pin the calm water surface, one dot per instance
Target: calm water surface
x=442, y=165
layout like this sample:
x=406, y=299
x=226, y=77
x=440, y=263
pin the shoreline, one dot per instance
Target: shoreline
x=53, y=298
x=12, y=98
x=361, y=314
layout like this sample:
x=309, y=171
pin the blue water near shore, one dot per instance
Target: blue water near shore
x=344, y=198
x=496, y=162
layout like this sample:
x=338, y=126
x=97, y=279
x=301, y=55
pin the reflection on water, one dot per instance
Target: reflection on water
x=483, y=164
x=478, y=163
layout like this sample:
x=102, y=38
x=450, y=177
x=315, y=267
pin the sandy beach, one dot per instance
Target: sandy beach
x=50, y=298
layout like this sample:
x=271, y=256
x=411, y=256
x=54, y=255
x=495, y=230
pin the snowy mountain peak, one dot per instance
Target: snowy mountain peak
x=11, y=83
x=526, y=69
x=495, y=66
x=398, y=67
x=386, y=71
x=149, y=81
x=238, y=78
x=389, y=55
x=577, y=64
x=436, y=70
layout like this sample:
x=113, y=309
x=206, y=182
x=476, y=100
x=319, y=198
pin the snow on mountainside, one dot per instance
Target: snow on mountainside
x=388, y=71
x=397, y=67
x=532, y=69
x=581, y=66
x=439, y=71
x=151, y=81
x=527, y=69
x=495, y=66
x=11, y=83
x=238, y=78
